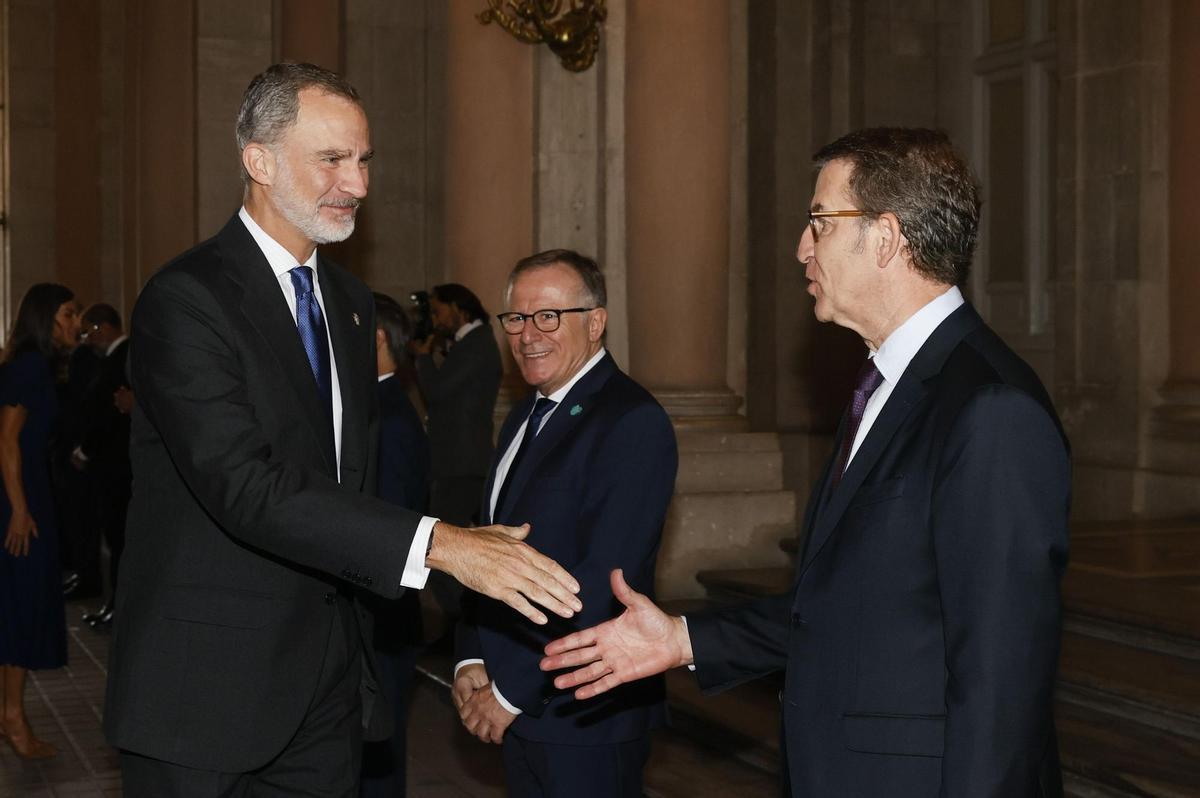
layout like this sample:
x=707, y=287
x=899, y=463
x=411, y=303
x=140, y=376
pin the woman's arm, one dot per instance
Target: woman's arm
x=20, y=525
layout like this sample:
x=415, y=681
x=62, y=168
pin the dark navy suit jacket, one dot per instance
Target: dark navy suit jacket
x=594, y=486
x=920, y=638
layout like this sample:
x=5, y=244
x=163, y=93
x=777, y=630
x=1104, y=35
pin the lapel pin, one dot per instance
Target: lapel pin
x=576, y=410
x=355, y=317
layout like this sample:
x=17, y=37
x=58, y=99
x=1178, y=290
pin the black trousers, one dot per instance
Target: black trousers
x=322, y=760
x=546, y=770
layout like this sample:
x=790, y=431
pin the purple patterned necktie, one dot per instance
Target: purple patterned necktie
x=868, y=380
x=311, y=325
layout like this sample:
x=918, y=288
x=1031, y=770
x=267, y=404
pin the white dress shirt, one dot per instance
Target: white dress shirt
x=897, y=351
x=462, y=331
x=282, y=263
x=502, y=471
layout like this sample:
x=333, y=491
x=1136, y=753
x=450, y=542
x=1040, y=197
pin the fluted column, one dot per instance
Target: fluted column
x=678, y=201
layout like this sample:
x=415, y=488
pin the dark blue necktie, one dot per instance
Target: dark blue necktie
x=311, y=325
x=540, y=408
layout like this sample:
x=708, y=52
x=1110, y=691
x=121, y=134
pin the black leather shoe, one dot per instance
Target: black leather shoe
x=70, y=580
x=103, y=622
x=92, y=617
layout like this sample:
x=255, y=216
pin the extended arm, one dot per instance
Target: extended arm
x=189, y=377
x=20, y=525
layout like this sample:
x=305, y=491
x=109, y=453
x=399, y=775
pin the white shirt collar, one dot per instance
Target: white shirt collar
x=562, y=392
x=114, y=345
x=462, y=331
x=280, y=259
x=387, y=376
x=898, y=350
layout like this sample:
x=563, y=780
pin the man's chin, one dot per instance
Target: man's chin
x=330, y=234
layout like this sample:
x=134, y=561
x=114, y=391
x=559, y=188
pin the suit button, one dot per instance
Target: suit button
x=330, y=598
x=369, y=581
x=781, y=696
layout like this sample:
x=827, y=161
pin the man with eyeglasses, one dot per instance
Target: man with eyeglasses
x=920, y=634
x=589, y=462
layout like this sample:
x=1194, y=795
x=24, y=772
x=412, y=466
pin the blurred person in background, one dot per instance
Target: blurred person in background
x=403, y=480
x=32, y=624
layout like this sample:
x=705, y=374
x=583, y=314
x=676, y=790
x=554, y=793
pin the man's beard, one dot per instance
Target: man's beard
x=308, y=220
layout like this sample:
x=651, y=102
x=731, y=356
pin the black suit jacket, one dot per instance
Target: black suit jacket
x=921, y=636
x=594, y=486
x=105, y=438
x=460, y=400
x=239, y=532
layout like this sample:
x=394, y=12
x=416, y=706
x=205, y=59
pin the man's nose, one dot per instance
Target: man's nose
x=354, y=180
x=804, y=250
x=530, y=333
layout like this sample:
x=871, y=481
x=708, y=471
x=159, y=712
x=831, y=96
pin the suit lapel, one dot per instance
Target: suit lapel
x=265, y=308
x=909, y=393
x=575, y=407
x=349, y=346
x=507, y=433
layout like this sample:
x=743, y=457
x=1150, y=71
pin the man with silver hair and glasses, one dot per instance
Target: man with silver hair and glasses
x=919, y=638
x=241, y=661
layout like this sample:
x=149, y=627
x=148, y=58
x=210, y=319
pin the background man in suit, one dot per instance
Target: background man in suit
x=403, y=481
x=460, y=402
x=238, y=662
x=920, y=637
x=589, y=460
x=103, y=450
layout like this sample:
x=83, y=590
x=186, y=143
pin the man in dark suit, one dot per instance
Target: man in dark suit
x=589, y=460
x=103, y=450
x=460, y=399
x=238, y=662
x=920, y=637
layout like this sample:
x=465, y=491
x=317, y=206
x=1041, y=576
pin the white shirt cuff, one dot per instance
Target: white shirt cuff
x=683, y=618
x=504, y=703
x=415, y=572
x=459, y=666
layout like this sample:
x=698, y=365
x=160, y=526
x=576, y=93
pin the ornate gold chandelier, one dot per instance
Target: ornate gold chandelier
x=573, y=35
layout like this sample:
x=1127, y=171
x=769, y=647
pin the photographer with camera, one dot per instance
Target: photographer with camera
x=460, y=398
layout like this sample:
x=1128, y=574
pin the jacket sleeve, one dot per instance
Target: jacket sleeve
x=736, y=644
x=623, y=506
x=189, y=375
x=999, y=516
x=460, y=370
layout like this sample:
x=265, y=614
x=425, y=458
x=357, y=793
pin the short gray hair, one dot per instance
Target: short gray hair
x=595, y=292
x=272, y=100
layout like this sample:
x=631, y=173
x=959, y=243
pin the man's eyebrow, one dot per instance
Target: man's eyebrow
x=816, y=206
x=366, y=156
x=332, y=153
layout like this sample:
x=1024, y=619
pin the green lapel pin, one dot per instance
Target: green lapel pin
x=576, y=410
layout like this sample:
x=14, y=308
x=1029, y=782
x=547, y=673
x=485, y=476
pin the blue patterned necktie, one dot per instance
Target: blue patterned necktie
x=311, y=325
x=869, y=379
x=540, y=408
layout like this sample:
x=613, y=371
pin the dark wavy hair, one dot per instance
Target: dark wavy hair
x=461, y=296
x=916, y=174
x=33, y=330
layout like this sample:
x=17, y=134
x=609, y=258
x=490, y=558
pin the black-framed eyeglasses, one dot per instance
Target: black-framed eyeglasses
x=546, y=319
x=814, y=215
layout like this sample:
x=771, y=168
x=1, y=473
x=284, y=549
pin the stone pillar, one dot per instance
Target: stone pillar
x=489, y=154
x=1170, y=482
x=1184, y=175
x=160, y=142
x=678, y=203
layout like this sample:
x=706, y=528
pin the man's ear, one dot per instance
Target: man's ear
x=259, y=163
x=597, y=323
x=891, y=240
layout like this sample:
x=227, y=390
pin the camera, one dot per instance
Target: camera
x=422, y=316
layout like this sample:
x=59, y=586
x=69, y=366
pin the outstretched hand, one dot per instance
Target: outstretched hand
x=640, y=642
x=493, y=561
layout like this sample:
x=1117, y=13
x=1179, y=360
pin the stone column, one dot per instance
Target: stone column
x=489, y=154
x=678, y=203
x=1184, y=175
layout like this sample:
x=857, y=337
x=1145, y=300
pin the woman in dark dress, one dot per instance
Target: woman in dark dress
x=33, y=632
